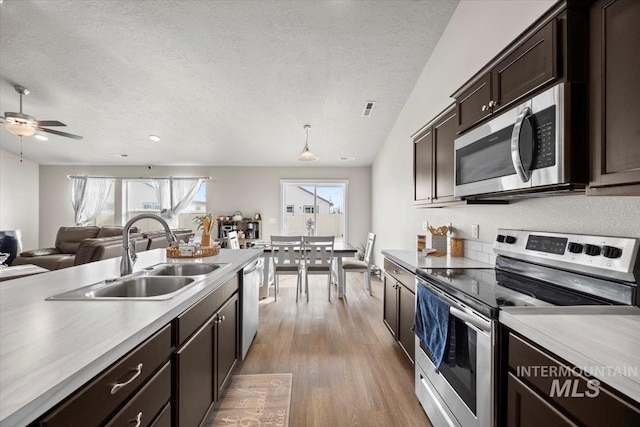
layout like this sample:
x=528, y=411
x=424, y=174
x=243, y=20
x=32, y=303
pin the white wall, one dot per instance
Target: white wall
x=478, y=30
x=19, y=197
x=247, y=189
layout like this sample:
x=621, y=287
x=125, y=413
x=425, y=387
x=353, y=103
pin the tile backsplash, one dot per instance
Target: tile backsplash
x=479, y=251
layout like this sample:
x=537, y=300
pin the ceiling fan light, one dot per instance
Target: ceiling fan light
x=20, y=129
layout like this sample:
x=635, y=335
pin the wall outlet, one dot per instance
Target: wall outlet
x=475, y=231
x=425, y=225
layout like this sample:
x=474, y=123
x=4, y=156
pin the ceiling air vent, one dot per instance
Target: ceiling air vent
x=368, y=108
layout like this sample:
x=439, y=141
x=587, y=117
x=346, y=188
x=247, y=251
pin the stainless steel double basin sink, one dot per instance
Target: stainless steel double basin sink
x=159, y=282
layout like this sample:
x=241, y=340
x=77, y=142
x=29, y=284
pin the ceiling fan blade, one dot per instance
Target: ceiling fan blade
x=49, y=123
x=57, y=132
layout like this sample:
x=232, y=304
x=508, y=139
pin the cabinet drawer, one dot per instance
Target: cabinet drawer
x=144, y=406
x=547, y=372
x=92, y=404
x=400, y=274
x=191, y=320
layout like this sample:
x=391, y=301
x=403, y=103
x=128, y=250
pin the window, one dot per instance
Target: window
x=141, y=197
x=314, y=208
x=107, y=216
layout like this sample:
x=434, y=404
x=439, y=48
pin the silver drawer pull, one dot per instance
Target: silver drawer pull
x=138, y=419
x=118, y=386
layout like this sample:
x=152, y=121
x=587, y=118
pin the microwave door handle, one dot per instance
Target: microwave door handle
x=516, y=158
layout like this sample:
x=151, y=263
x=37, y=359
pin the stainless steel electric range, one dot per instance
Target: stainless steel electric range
x=532, y=269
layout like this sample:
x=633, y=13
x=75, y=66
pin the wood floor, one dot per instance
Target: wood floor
x=347, y=370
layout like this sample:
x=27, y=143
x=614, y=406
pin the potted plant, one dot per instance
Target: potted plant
x=204, y=223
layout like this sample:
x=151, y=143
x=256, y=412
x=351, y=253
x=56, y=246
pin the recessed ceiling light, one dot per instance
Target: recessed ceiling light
x=119, y=154
x=41, y=137
x=347, y=158
x=154, y=138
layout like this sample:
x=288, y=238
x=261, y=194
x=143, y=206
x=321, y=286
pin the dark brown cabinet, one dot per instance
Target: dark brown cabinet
x=542, y=387
x=433, y=161
x=529, y=63
x=613, y=94
x=526, y=409
x=205, y=361
x=399, y=306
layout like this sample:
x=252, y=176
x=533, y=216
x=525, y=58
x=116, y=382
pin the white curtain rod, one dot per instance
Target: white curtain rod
x=139, y=177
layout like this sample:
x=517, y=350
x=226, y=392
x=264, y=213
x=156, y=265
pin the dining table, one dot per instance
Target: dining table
x=340, y=250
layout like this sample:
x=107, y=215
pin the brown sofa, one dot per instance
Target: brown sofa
x=81, y=245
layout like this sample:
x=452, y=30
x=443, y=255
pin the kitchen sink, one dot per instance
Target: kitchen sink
x=183, y=269
x=160, y=282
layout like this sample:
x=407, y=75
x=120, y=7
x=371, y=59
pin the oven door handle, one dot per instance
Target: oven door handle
x=470, y=319
x=516, y=156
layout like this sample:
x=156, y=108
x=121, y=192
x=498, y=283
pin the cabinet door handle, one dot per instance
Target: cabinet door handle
x=492, y=104
x=118, y=386
x=485, y=107
x=396, y=271
x=138, y=419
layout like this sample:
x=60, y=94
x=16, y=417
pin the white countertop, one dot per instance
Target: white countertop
x=602, y=341
x=50, y=348
x=411, y=260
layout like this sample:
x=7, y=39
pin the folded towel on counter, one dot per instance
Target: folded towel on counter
x=432, y=324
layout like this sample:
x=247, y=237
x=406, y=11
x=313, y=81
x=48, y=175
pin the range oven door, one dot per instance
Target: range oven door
x=518, y=150
x=462, y=395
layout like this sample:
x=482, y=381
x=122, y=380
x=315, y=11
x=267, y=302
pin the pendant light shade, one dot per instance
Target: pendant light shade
x=307, y=155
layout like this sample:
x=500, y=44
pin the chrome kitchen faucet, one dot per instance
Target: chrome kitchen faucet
x=126, y=265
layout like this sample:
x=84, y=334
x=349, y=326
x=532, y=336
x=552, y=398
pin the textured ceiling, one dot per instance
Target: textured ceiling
x=221, y=82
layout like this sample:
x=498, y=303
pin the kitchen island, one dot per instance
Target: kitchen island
x=49, y=349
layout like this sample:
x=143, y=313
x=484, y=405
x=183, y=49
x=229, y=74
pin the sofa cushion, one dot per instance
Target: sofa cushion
x=97, y=249
x=50, y=262
x=40, y=252
x=69, y=238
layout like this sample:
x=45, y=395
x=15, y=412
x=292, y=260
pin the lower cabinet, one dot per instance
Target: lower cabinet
x=172, y=379
x=204, y=363
x=542, y=389
x=399, y=306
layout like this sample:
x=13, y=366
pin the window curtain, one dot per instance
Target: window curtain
x=175, y=195
x=88, y=198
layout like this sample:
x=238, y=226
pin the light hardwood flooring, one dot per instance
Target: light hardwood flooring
x=347, y=369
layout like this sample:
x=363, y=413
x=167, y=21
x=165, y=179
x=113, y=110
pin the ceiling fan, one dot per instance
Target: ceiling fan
x=21, y=124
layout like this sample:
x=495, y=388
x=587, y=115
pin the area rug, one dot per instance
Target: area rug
x=255, y=400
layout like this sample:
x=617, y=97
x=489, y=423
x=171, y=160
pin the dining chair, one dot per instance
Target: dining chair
x=287, y=259
x=351, y=266
x=232, y=238
x=318, y=251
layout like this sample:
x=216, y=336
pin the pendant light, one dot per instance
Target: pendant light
x=307, y=155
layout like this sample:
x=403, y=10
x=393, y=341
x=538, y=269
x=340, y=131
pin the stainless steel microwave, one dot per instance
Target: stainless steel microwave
x=520, y=151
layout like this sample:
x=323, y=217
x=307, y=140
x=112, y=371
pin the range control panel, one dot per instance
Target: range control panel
x=611, y=257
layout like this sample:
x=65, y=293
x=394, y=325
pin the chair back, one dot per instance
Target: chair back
x=234, y=243
x=368, y=250
x=286, y=250
x=318, y=250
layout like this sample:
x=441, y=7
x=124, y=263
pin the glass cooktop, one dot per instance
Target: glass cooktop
x=487, y=290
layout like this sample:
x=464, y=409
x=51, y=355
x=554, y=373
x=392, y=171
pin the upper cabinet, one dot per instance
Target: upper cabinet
x=433, y=163
x=551, y=50
x=614, y=97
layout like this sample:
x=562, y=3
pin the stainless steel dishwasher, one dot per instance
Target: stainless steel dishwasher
x=251, y=282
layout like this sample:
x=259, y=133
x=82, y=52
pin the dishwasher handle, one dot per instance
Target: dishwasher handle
x=252, y=267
